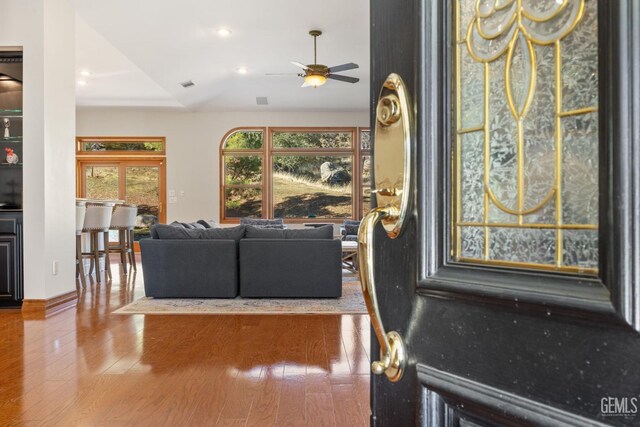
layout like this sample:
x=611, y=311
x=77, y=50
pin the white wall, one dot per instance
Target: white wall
x=193, y=141
x=45, y=30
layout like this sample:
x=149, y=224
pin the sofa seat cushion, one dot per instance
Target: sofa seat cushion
x=164, y=231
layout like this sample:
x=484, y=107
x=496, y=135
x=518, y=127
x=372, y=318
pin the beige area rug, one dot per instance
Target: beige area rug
x=351, y=302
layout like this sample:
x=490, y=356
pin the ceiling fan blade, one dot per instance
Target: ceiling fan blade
x=343, y=67
x=282, y=74
x=343, y=78
x=300, y=64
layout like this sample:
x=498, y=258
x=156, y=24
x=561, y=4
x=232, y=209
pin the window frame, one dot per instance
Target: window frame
x=267, y=153
x=120, y=139
x=241, y=152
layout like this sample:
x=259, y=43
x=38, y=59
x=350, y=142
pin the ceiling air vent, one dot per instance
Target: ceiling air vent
x=187, y=84
x=262, y=100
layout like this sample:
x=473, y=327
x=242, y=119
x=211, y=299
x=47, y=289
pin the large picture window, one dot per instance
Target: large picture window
x=305, y=174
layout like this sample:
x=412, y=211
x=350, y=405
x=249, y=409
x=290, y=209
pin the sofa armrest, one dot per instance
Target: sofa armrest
x=290, y=268
x=189, y=268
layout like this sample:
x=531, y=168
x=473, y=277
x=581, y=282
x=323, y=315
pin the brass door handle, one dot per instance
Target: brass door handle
x=392, y=354
x=392, y=171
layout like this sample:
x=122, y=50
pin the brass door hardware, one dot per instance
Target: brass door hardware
x=392, y=171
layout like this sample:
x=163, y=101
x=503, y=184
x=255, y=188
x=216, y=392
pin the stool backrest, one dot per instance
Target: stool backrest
x=124, y=217
x=80, y=213
x=98, y=217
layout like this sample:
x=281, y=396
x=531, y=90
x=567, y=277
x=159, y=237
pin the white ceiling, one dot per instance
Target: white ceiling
x=138, y=52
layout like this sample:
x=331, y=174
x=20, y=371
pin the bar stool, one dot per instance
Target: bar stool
x=81, y=210
x=97, y=220
x=123, y=220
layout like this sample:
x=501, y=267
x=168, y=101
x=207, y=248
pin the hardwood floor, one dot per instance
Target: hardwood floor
x=88, y=367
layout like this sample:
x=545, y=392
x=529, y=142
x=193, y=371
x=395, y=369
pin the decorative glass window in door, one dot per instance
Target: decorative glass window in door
x=526, y=134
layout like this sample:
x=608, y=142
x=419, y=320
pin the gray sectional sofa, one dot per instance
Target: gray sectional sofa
x=248, y=261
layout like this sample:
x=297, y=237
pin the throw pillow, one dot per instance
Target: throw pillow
x=264, y=233
x=263, y=223
x=208, y=224
x=351, y=229
x=324, y=232
x=171, y=232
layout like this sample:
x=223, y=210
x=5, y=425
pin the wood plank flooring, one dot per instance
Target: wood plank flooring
x=88, y=367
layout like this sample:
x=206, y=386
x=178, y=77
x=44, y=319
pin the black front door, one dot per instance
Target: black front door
x=515, y=280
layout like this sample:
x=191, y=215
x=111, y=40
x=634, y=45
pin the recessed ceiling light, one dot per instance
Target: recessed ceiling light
x=82, y=83
x=85, y=73
x=242, y=70
x=223, y=32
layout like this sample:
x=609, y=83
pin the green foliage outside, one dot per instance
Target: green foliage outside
x=297, y=164
x=122, y=146
x=243, y=169
x=248, y=140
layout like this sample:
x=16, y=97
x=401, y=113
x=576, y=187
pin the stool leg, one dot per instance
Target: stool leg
x=132, y=253
x=96, y=253
x=123, y=248
x=90, y=238
x=80, y=267
x=107, y=262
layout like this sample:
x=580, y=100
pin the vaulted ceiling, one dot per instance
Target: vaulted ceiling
x=138, y=53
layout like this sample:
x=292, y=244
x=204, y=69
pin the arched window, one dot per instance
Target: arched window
x=300, y=174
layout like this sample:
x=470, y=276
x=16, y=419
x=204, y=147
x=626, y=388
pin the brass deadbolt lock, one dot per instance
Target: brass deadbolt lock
x=388, y=110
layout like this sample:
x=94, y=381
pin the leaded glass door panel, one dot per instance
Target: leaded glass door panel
x=526, y=103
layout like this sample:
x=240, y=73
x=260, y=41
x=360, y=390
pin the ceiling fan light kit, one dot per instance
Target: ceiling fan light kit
x=314, y=80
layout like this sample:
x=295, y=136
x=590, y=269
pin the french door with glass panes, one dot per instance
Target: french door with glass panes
x=135, y=181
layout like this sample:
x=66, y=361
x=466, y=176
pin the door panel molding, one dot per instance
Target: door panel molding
x=613, y=295
x=620, y=156
x=460, y=395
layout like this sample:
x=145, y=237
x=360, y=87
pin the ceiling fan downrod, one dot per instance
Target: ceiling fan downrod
x=315, y=34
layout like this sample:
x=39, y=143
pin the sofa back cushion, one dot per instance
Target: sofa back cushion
x=188, y=225
x=324, y=232
x=253, y=232
x=164, y=231
x=277, y=223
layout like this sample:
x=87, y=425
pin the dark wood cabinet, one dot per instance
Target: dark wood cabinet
x=11, y=178
x=11, y=287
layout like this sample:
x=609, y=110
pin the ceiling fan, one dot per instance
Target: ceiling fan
x=317, y=74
